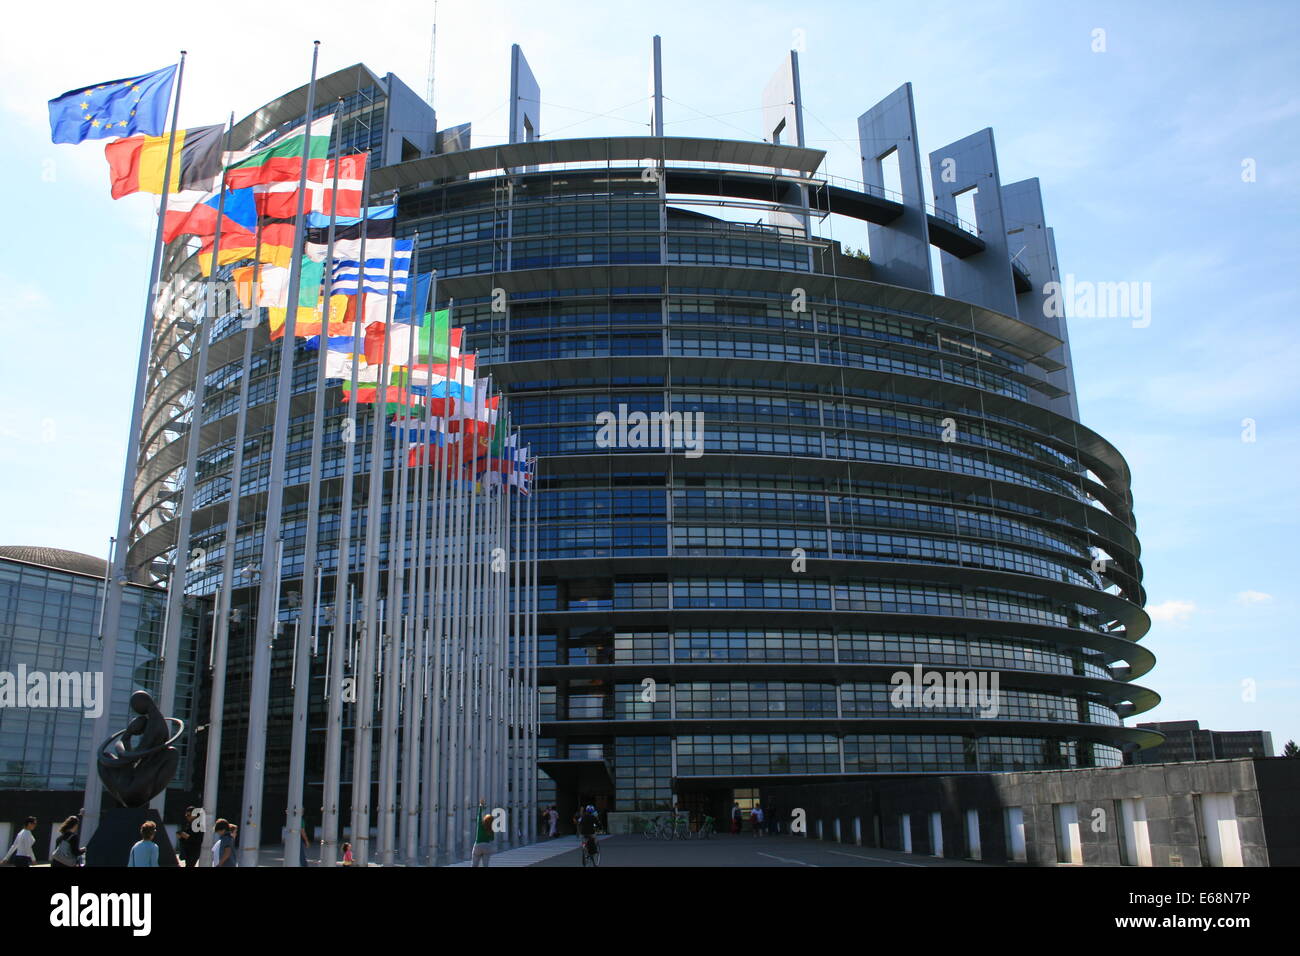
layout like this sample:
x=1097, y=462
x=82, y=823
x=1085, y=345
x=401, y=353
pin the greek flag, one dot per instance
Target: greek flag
x=348, y=273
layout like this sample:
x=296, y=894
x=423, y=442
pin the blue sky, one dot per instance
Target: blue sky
x=1139, y=149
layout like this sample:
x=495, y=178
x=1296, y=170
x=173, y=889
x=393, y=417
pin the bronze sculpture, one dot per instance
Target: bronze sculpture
x=136, y=774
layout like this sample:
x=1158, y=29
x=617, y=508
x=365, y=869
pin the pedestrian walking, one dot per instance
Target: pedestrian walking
x=67, y=853
x=223, y=846
x=23, y=850
x=189, y=839
x=145, y=851
x=756, y=819
x=347, y=854
x=736, y=817
x=553, y=818
x=306, y=843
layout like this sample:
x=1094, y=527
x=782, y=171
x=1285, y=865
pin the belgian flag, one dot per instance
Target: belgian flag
x=136, y=164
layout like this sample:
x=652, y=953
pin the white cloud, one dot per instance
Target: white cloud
x=1172, y=611
x=1253, y=597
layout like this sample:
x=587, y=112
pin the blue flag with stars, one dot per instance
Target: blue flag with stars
x=116, y=108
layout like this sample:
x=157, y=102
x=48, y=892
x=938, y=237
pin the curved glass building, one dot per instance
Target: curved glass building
x=863, y=477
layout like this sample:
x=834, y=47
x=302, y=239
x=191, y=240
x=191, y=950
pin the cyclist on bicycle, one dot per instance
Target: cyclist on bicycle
x=588, y=821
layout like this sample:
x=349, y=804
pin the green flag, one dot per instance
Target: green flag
x=434, y=339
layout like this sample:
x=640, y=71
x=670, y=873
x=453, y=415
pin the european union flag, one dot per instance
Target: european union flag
x=116, y=108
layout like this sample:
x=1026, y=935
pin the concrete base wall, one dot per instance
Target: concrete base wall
x=1265, y=794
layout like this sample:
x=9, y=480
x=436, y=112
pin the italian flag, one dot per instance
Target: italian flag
x=433, y=340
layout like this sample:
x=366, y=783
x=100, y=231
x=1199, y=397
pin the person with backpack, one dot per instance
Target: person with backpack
x=145, y=851
x=66, y=851
x=23, y=850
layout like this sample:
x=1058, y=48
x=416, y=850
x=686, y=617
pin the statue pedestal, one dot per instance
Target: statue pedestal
x=119, y=830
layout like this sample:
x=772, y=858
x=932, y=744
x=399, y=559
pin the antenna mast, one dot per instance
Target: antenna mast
x=433, y=50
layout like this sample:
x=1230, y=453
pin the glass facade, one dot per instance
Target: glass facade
x=880, y=485
x=49, y=620
x=654, y=566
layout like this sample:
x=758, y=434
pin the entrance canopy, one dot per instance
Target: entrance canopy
x=593, y=775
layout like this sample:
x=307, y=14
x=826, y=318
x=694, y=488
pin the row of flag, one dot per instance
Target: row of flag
x=445, y=415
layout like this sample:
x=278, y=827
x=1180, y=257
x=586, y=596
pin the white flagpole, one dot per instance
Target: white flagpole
x=342, y=576
x=119, y=573
x=416, y=689
x=268, y=608
x=533, y=592
x=435, y=804
x=371, y=636
x=516, y=775
x=224, y=609
x=456, y=798
x=395, y=643
x=301, y=664
x=181, y=553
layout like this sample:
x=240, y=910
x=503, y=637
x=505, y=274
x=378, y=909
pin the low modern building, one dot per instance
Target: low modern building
x=52, y=684
x=1185, y=740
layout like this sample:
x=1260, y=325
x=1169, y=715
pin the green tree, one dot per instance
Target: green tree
x=1291, y=750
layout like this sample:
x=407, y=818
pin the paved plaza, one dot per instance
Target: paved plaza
x=743, y=850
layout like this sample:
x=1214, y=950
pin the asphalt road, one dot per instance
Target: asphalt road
x=744, y=850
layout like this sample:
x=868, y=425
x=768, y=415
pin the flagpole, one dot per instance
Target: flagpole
x=181, y=551
x=511, y=794
x=417, y=689
x=224, y=609
x=311, y=598
x=371, y=637
x=359, y=670
x=509, y=661
x=475, y=740
x=456, y=651
x=390, y=731
x=268, y=610
x=500, y=780
x=479, y=749
x=499, y=783
x=434, y=804
x=533, y=591
x=411, y=722
x=513, y=526
x=118, y=573
x=343, y=570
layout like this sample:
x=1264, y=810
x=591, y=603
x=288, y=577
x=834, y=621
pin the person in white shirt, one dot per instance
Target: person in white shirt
x=756, y=818
x=23, y=851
